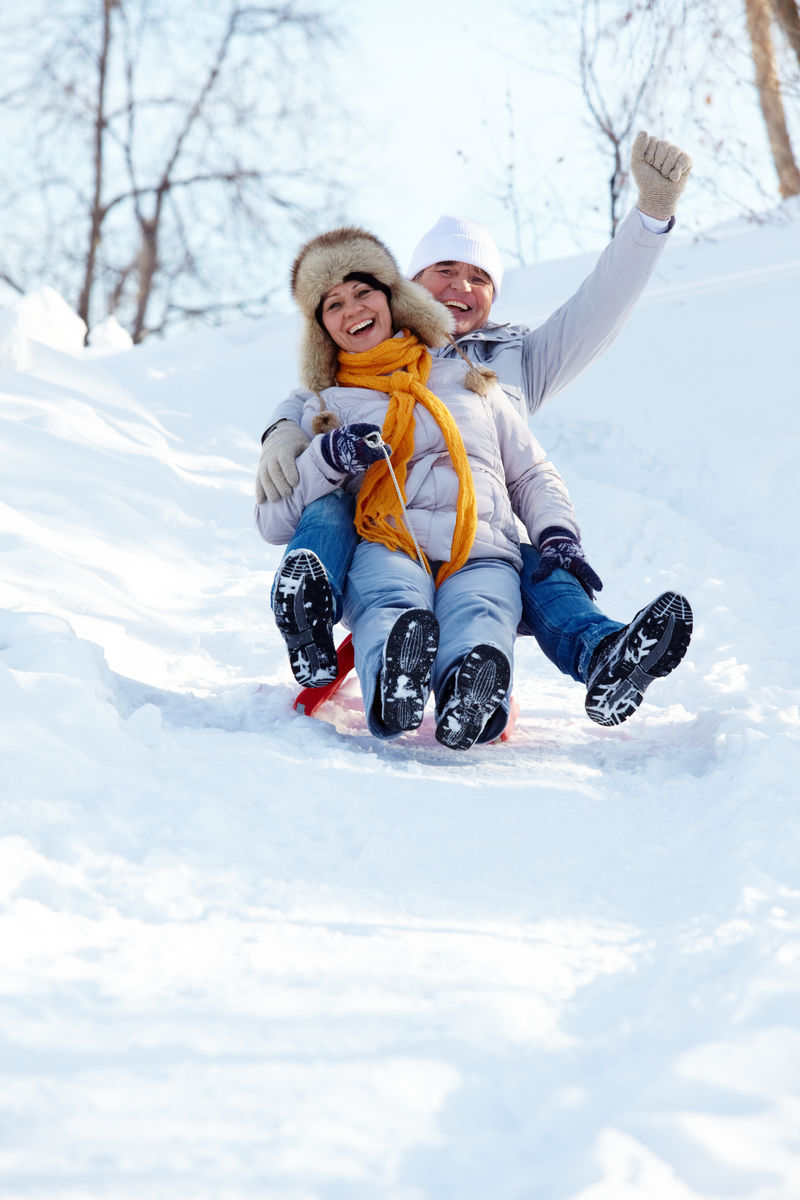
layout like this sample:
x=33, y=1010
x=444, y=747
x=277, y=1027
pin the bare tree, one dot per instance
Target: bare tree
x=523, y=193
x=623, y=56
x=759, y=17
x=168, y=151
x=97, y=208
x=685, y=70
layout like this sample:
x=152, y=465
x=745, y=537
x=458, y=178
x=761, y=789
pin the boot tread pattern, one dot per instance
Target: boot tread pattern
x=303, y=607
x=481, y=683
x=649, y=648
x=405, y=679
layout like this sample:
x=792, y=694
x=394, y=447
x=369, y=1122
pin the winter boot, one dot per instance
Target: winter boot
x=303, y=607
x=405, y=679
x=626, y=663
x=477, y=688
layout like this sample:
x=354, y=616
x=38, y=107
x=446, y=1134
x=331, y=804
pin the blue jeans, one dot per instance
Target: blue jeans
x=557, y=612
x=565, y=622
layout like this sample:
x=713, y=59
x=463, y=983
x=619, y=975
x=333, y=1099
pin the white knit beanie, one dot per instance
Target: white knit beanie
x=459, y=239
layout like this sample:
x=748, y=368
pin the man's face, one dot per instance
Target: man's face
x=466, y=290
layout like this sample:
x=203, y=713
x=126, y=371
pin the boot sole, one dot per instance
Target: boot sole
x=482, y=681
x=408, y=657
x=653, y=645
x=303, y=608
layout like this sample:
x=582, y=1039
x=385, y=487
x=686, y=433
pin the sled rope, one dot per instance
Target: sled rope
x=400, y=367
x=382, y=445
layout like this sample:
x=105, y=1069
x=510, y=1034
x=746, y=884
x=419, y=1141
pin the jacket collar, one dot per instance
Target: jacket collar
x=492, y=332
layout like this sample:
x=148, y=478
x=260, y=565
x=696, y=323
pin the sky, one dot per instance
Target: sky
x=431, y=85
x=418, y=106
x=257, y=956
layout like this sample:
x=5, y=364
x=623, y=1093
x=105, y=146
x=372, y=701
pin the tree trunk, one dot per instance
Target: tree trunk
x=615, y=186
x=97, y=213
x=759, y=15
x=147, y=267
x=788, y=16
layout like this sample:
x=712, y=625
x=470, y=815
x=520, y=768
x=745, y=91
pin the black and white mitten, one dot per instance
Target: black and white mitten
x=348, y=448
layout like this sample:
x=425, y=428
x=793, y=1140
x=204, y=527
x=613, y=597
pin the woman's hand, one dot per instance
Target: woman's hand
x=354, y=448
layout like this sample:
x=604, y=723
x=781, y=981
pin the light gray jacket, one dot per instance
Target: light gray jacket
x=535, y=364
x=509, y=468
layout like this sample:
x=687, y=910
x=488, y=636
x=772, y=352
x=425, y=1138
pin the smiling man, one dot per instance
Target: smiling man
x=458, y=262
x=462, y=287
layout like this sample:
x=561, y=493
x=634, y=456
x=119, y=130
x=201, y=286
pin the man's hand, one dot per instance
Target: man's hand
x=561, y=549
x=277, y=472
x=660, y=171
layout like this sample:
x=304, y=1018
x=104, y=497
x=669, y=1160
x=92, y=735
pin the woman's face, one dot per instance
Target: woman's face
x=357, y=316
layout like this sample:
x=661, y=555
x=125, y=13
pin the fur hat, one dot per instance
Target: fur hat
x=325, y=261
x=459, y=239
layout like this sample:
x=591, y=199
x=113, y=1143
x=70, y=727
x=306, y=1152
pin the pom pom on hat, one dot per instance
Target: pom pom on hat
x=459, y=239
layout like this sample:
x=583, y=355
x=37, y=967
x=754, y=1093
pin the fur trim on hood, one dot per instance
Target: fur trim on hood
x=322, y=263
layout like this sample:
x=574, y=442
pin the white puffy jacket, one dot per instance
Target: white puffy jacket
x=509, y=467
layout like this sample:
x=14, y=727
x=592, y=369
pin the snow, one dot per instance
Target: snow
x=252, y=954
x=108, y=337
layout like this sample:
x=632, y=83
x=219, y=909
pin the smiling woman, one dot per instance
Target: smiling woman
x=356, y=315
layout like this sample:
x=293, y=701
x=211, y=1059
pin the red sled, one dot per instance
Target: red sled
x=310, y=699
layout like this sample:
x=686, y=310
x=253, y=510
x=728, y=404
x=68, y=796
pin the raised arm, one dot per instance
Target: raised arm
x=585, y=325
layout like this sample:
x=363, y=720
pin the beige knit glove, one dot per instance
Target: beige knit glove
x=277, y=471
x=660, y=170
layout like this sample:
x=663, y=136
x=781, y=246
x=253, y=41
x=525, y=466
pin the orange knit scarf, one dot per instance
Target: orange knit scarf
x=400, y=366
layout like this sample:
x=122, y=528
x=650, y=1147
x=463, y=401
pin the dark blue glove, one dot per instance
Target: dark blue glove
x=560, y=548
x=353, y=448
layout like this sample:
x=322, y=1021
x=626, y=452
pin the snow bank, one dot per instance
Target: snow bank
x=254, y=955
x=108, y=337
x=42, y=317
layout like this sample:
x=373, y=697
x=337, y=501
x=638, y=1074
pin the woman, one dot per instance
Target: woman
x=432, y=595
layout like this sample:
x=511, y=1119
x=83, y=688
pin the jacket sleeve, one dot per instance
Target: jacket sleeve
x=290, y=409
x=277, y=520
x=558, y=351
x=538, y=494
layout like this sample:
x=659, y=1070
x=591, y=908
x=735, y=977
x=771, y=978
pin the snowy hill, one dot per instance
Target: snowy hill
x=249, y=954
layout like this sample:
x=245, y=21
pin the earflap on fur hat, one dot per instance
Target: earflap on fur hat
x=325, y=261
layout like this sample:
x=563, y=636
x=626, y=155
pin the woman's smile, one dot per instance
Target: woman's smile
x=357, y=316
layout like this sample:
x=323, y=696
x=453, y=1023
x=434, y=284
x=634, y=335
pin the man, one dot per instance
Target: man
x=458, y=262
